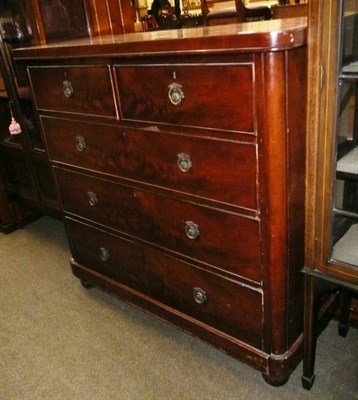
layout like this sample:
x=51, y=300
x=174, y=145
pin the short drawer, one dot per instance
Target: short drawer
x=218, y=302
x=225, y=241
x=74, y=89
x=189, y=95
x=219, y=170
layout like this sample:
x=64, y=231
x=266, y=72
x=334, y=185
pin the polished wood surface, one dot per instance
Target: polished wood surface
x=87, y=82
x=275, y=34
x=188, y=205
x=111, y=17
x=63, y=20
x=52, y=21
x=153, y=80
x=289, y=11
x=162, y=220
x=152, y=157
x=170, y=282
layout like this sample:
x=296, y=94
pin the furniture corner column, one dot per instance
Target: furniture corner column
x=275, y=215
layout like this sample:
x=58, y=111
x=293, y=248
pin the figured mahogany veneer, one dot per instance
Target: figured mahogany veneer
x=149, y=156
x=143, y=94
x=91, y=85
x=162, y=220
x=169, y=281
x=179, y=160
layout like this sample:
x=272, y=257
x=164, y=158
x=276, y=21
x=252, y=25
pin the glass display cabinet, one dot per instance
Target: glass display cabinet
x=331, y=264
x=345, y=201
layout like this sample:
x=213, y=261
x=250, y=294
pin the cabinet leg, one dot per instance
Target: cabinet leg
x=345, y=302
x=309, y=332
x=86, y=285
x=275, y=381
x=307, y=382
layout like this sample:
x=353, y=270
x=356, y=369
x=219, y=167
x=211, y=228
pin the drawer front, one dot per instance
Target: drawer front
x=218, y=302
x=207, y=168
x=189, y=95
x=224, y=240
x=74, y=89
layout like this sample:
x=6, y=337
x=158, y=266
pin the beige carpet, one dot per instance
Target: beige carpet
x=60, y=341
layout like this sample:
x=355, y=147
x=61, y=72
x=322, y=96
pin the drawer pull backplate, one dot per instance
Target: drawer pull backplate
x=68, y=90
x=191, y=230
x=80, y=143
x=104, y=254
x=184, y=163
x=175, y=93
x=92, y=198
x=199, y=295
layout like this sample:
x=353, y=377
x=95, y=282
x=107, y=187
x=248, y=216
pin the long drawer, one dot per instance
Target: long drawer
x=217, y=96
x=74, y=89
x=225, y=241
x=218, y=170
x=216, y=301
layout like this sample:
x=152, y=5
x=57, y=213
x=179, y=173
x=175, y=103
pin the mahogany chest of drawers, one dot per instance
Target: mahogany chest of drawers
x=179, y=161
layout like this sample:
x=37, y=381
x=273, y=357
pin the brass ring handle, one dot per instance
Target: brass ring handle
x=104, y=254
x=184, y=163
x=68, y=90
x=175, y=93
x=92, y=199
x=199, y=295
x=191, y=230
x=80, y=143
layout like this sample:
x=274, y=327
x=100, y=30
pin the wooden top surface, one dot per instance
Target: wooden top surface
x=272, y=35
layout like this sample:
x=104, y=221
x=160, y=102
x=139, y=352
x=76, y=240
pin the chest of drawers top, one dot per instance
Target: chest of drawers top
x=270, y=35
x=273, y=35
x=153, y=77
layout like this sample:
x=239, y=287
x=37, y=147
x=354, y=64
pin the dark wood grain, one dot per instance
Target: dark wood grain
x=222, y=171
x=92, y=87
x=143, y=93
x=273, y=160
x=169, y=281
x=278, y=34
x=63, y=20
x=226, y=241
x=297, y=90
x=109, y=17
